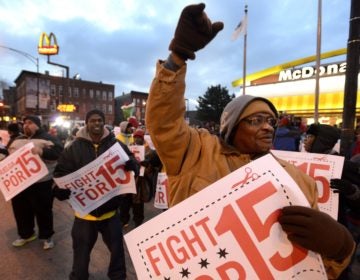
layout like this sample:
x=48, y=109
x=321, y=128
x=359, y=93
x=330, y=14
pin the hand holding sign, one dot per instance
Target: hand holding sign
x=229, y=230
x=99, y=181
x=20, y=170
x=132, y=165
x=342, y=186
x=61, y=194
x=316, y=231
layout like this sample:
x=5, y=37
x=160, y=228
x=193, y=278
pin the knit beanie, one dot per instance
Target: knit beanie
x=240, y=108
x=326, y=136
x=256, y=106
x=313, y=129
x=133, y=121
x=94, y=112
x=34, y=119
x=139, y=133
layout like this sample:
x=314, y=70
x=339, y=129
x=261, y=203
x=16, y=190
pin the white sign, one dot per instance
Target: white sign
x=20, y=170
x=99, y=181
x=161, y=200
x=322, y=168
x=148, y=140
x=138, y=151
x=139, y=154
x=228, y=230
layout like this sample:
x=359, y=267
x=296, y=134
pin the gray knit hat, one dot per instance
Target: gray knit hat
x=230, y=117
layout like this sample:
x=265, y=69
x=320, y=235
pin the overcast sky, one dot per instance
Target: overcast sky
x=119, y=41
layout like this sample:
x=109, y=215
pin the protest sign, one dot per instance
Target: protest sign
x=20, y=170
x=138, y=151
x=139, y=154
x=148, y=140
x=98, y=181
x=322, y=168
x=229, y=230
x=161, y=200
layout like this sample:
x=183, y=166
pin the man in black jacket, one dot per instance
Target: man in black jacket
x=91, y=141
x=36, y=201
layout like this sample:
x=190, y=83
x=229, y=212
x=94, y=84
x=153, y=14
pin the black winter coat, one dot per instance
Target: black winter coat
x=81, y=152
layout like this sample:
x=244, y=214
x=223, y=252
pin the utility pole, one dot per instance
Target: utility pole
x=318, y=56
x=67, y=78
x=351, y=79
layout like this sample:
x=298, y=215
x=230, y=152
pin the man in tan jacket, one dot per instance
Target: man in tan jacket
x=194, y=158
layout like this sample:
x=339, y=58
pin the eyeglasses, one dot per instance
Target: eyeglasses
x=259, y=121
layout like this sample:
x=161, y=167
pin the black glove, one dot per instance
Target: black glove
x=316, y=231
x=145, y=163
x=133, y=165
x=193, y=32
x=61, y=194
x=342, y=186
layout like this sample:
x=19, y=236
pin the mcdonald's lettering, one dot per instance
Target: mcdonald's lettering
x=50, y=46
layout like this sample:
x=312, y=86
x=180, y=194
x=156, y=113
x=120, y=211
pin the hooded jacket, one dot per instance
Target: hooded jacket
x=81, y=152
x=194, y=158
x=123, y=136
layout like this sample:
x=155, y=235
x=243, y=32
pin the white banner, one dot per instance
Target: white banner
x=139, y=154
x=20, y=170
x=148, y=140
x=321, y=168
x=228, y=230
x=138, y=151
x=99, y=181
x=161, y=200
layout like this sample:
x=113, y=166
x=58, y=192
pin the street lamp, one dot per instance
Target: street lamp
x=34, y=60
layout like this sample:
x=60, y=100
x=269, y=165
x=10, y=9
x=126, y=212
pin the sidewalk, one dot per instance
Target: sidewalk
x=31, y=262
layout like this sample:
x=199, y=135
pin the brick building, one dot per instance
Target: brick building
x=37, y=93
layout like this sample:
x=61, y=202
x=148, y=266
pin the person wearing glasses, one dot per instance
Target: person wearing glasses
x=194, y=158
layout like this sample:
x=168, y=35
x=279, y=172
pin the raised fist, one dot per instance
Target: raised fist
x=193, y=32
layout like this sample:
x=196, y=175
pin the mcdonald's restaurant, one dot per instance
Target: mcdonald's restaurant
x=292, y=91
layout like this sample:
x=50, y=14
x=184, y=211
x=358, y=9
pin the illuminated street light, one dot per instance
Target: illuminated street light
x=34, y=60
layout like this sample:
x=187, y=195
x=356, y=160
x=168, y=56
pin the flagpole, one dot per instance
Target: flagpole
x=318, y=53
x=244, y=60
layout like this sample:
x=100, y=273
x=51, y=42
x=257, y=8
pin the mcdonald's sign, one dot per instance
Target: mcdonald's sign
x=48, y=44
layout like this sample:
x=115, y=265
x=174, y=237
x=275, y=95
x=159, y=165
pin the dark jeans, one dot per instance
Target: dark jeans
x=137, y=209
x=84, y=235
x=34, y=202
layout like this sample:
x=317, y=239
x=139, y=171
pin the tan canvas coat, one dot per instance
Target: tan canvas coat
x=194, y=158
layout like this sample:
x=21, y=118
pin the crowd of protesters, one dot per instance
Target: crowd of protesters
x=65, y=152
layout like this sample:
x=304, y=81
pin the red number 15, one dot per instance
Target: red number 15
x=229, y=221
